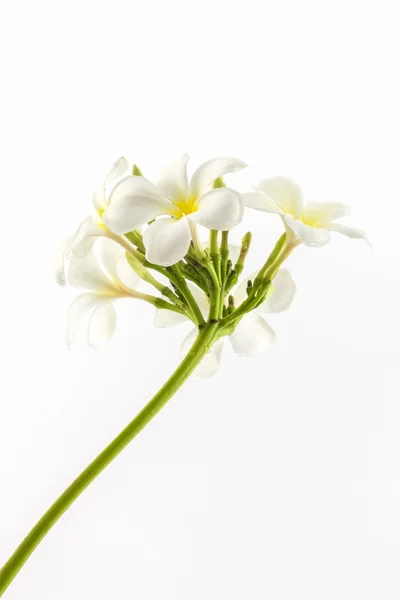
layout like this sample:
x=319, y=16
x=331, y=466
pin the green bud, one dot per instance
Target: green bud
x=218, y=183
x=136, y=171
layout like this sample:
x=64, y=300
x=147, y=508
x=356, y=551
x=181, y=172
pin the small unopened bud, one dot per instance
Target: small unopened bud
x=231, y=302
x=218, y=183
x=249, y=286
x=136, y=171
x=246, y=241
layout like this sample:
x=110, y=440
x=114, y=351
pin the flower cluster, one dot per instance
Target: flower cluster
x=140, y=229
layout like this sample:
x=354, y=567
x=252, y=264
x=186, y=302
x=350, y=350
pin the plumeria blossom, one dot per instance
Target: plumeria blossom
x=181, y=204
x=252, y=337
x=81, y=242
x=311, y=223
x=106, y=276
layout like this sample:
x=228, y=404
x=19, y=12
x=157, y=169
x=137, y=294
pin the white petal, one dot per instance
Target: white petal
x=87, y=273
x=167, y=241
x=234, y=253
x=284, y=290
x=240, y=293
x=200, y=297
x=168, y=318
x=134, y=202
x=252, y=336
x=81, y=305
x=319, y=214
x=173, y=180
x=260, y=201
x=310, y=236
x=210, y=363
x=220, y=209
x=286, y=193
x=211, y=170
x=102, y=324
x=117, y=170
x=85, y=235
x=62, y=255
x=350, y=232
x=113, y=260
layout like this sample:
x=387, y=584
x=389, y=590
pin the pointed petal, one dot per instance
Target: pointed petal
x=113, y=260
x=167, y=241
x=351, y=232
x=211, y=170
x=117, y=171
x=260, y=201
x=252, y=336
x=168, y=318
x=319, y=214
x=210, y=363
x=85, y=236
x=62, y=255
x=134, y=202
x=102, y=324
x=310, y=236
x=286, y=193
x=220, y=209
x=78, y=308
x=284, y=290
x=173, y=180
x=87, y=273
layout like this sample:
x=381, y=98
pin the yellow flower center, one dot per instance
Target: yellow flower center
x=186, y=206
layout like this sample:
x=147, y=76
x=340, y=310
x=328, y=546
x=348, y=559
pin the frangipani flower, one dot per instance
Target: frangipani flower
x=136, y=201
x=252, y=336
x=108, y=276
x=311, y=223
x=81, y=242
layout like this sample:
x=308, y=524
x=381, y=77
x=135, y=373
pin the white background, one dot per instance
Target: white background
x=280, y=478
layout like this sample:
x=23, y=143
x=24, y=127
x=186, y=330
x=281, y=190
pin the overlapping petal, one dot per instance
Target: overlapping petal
x=210, y=170
x=85, y=236
x=77, y=310
x=285, y=192
x=102, y=323
x=134, y=202
x=220, y=209
x=260, y=201
x=173, y=180
x=113, y=259
x=118, y=170
x=252, y=336
x=310, y=236
x=167, y=241
x=283, y=293
x=319, y=214
x=87, y=273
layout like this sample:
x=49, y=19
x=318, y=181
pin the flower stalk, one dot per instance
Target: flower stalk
x=205, y=338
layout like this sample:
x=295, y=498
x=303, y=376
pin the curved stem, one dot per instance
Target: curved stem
x=203, y=342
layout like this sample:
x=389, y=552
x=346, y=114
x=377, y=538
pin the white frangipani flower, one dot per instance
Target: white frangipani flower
x=311, y=222
x=108, y=276
x=81, y=242
x=252, y=336
x=136, y=201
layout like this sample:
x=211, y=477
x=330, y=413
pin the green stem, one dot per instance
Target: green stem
x=206, y=337
x=214, y=252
